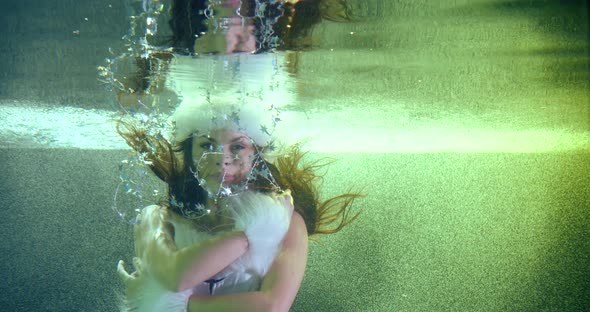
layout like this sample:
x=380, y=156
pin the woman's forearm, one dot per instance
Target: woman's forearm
x=256, y=301
x=179, y=269
x=199, y=262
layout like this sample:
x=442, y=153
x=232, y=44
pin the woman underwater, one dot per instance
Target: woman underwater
x=233, y=233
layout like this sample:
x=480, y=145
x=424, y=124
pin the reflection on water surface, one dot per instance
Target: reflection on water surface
x=464, y=67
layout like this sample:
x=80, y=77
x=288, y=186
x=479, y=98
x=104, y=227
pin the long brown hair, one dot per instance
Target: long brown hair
x=172, y=164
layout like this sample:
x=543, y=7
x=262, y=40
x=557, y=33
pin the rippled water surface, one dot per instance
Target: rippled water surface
x=404, y=76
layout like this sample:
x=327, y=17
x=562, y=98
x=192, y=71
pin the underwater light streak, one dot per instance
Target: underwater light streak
x=70, y=127
x=57, y=127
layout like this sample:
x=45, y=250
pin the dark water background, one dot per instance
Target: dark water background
x=441, y=231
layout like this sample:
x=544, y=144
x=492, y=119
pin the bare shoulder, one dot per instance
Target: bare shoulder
x=284, y=278
x=297, y=234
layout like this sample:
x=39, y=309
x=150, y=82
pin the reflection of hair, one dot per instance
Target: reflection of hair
x=187, y=21
x=172, y=164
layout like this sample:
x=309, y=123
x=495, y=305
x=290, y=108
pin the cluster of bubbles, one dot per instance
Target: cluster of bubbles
x=136, y=186
x=143, y=26
x=132, y=192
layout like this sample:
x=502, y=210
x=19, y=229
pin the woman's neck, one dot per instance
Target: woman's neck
x=218, y=220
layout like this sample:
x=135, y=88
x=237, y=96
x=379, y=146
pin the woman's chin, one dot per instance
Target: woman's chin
x=228, y=180
x=217, y=183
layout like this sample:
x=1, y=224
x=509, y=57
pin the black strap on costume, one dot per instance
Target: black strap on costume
x=212, y=283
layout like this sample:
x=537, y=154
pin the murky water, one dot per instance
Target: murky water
x=466, y=122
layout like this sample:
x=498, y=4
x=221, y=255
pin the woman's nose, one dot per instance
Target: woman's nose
x=224, y=159
x=225, y=162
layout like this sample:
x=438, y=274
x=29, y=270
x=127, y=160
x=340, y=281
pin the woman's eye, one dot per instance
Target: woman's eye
x=206, y=146
x=237, y=147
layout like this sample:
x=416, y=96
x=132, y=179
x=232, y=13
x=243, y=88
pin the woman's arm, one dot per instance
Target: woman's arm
x=279, y=286
x=180, y=269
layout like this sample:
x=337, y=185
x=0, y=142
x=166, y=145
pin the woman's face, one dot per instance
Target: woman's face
x=224, y=157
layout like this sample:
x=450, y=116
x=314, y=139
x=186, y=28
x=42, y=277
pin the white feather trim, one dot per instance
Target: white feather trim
x=265, y=220
x=252, y=117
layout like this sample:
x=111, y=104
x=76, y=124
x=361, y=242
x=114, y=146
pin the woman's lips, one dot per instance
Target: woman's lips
x=228, y=178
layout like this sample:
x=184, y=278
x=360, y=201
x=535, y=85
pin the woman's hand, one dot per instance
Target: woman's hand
x=133, y=282
x=173, y=268
x=279, y=286
x=240, y=39
x=264, y=219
